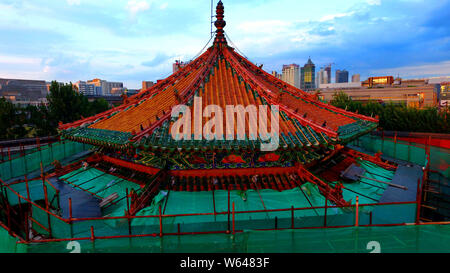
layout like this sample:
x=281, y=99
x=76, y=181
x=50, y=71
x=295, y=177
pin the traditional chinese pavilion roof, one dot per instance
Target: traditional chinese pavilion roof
x=220, y=76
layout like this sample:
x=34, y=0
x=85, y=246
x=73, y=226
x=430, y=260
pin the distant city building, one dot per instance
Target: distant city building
x=86, y=89
x=147, y=84
x=277, y=75
x=328, y=70
x=377, y=81
x=417, y=93
x=291, y=74
x=439, y=80
x=98, y=91
x=178, y=65
x=341, y=76
x=24, y=91
x=117, y=91
x=356, y=78
x=107, y=87
x=322, y=77
x=131, y=92
x=308, y=76
x=342, y=85
x=444, y=95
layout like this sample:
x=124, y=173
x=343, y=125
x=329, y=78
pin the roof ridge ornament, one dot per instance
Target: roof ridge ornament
x=220, y=24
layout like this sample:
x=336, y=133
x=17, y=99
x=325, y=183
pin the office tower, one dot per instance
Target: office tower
x=308, y=76
x=85, y=88
x=107, y=88
x=356, y=78
x=277, y=75
x=322, y=77
x=341, y=76
x=328, y=70
x=291, y=74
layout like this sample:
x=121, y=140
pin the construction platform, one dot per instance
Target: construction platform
x=95, y=200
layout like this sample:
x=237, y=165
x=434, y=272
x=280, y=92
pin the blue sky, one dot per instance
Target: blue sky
x=135, y=40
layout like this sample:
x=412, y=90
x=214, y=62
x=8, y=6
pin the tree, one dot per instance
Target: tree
x=65, y=104
x=98, y=106
x=397, y=117
x=7, y=118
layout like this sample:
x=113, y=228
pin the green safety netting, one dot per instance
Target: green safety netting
x=32, y=162
x=35, y=191
x=397, y=239
x=175, y=203
x=202, y=202
x=407, y=151
x=370, y=191
x=103, y=185
x=8, y=244
x=16, y=154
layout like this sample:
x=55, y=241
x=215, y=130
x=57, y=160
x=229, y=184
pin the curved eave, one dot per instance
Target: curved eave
x=103, y=138
x=350, y=136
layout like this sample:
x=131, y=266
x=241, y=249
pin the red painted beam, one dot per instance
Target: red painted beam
x=374, y=159
x=130, y=165
x=233, y=172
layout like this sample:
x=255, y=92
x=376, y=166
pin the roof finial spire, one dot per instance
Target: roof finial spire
x=220, y=23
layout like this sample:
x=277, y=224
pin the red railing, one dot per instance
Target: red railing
x=231, y=213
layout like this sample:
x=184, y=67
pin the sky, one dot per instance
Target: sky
x=135, y=40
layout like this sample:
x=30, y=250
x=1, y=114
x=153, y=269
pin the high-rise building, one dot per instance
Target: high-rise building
x=341, y=76
x=147, y=84
x=291, y=74
x=98, y=91
x=308, y=76
x=85, y=88
x=322, y=77
x=107, y=87
x=356, y=78
x=328, y=70
x=277, y=75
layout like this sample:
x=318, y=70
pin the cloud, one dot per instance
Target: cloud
x=433, y=69
x=164, y=6
x=16, y=60
x=335, y=16
x=135, y=6
x=374, y=2
x=45, y=39
x=267, y=26
x=159, y=59
x=74, y=2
